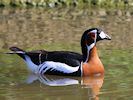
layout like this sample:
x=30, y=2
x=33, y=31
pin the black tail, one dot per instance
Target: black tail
x=37, y=56
x=17, y=51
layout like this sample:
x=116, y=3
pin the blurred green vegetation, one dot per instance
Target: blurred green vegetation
x=66, y=3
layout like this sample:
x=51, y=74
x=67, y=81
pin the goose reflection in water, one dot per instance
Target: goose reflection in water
x=92, y=84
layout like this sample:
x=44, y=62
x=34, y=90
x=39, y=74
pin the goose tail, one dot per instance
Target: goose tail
x=17, y=51
x=23, y=54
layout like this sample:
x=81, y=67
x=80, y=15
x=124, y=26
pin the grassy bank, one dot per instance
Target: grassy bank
x=66, y=3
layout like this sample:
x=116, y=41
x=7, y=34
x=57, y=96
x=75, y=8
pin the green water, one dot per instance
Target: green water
x=61, y=29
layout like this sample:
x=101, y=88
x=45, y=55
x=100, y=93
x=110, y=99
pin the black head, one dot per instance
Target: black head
x=89, y=39
x=94, y=35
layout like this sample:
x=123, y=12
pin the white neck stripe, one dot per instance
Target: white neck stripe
x=90, y=47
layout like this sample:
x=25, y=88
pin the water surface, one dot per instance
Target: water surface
x=61, y=29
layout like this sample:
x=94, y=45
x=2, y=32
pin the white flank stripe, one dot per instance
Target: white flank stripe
x=49, y=65
x=31, y=66
x=56, y=66
x=81, y=68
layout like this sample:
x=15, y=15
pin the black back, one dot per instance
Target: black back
x=40, y=56
x=69, y=58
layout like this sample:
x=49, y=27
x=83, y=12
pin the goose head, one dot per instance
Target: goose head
x=89, y=39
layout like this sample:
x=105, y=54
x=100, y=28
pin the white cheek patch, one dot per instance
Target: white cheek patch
x=102, y=35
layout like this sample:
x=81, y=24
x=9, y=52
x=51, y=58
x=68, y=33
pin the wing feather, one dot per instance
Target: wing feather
x=56, y=66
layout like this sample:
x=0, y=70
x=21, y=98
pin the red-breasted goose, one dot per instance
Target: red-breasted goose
x=66, y=62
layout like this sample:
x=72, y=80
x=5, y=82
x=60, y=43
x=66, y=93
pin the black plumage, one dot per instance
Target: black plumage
x=39, y=56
